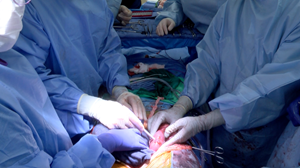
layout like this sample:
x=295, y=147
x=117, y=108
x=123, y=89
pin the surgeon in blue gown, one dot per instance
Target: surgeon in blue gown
x=31, y=132
x=249, y=59
x=175, y=12
x=75, y=50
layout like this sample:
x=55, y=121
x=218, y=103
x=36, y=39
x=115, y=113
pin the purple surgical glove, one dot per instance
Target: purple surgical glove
x=122, y=140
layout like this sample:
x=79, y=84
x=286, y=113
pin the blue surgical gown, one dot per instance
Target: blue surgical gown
x=31, y=132
x=250, y=59
x=74, y=49
x=201, y=12
x=114, y=6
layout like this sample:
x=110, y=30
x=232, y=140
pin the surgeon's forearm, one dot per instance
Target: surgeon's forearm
x=184, y=103
x=117, y=91
x=112, y=63
x=114, y=6
x=212, y=119
x=64, y=99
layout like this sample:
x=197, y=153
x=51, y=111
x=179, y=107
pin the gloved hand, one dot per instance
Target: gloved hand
x=164, y=26
x=122, y=140
x=130, y=100
x=135, y=158
x=110, y=113
x=124, y=15
x=182, y=106
x=187, y=127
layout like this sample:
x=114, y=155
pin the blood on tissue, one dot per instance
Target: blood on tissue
x=159, y=138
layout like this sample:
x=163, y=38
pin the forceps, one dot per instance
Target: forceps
x=140, y=22
x=218, y=151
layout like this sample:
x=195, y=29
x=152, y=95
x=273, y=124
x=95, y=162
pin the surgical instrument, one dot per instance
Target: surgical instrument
x=191, y=30
x=148, y=30
x=172, y=32
x=129, y=31
x=140, y=22
x=218, y=151
x=193, y=144
x=128, y=27
x=190, y=26
x=149, y=134
x=145, y=29
x=177, y=30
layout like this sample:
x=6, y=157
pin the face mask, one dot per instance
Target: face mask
x=10, y=22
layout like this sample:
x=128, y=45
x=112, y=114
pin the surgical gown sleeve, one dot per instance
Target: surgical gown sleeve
x=72, y=59
x=114, y=6
x=112, y=63
x=172, y=9
x=203, y=73
x=21, y=147
x=88, y=152
x=261, y=97
x=36, y=46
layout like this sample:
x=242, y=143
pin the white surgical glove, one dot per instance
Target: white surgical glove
x=187, y=127
x=124, y=15
x=165, y=26
x=110, y=113
x=130, y=100
x=182, y=106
